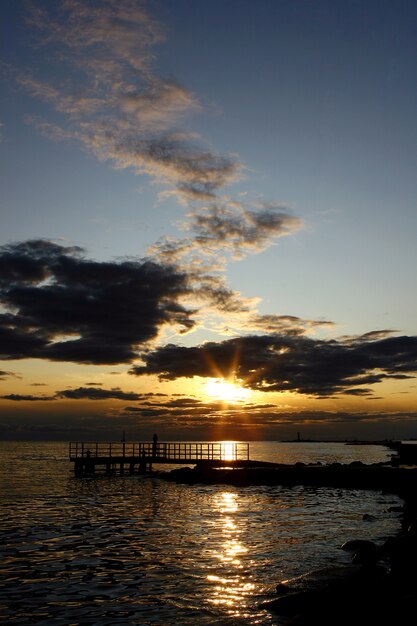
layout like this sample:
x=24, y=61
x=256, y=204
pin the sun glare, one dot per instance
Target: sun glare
x=227, y=391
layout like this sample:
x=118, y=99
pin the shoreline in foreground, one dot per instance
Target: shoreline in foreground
x=380, y=589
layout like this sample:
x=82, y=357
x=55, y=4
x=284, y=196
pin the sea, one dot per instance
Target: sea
x=138, y=550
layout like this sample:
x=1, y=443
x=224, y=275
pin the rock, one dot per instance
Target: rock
x=365, y=555
x=293, y=603
x=357, y=544
x=412, y=529
x=320, y=578
x=346, y=596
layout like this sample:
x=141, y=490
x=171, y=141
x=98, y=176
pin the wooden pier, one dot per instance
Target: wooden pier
x=138, y=457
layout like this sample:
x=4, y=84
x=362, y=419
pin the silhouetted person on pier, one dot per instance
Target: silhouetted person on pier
x=154, y=445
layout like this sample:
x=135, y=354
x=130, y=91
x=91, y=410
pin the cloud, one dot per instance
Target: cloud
x=86, y=393
x=104, y=37
x=115, y=104
x=288, y=324
x=290, y=363
x=60, y=306
x=241, y=230
x=94, y=423
x=91, y=393
x=71, y=104
x=227, y=228
x=168, y=159
x=4, y=374
x=26, y=398
x=221, y=231
x=160, y=105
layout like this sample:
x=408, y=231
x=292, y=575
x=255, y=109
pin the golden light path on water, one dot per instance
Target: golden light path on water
x=231, y=590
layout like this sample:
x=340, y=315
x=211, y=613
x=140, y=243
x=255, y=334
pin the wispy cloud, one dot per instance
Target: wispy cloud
x=288, y=324
x=4, y=375
x=219, y=233
x=228, y=228
x=115, y=104
x=240, y=230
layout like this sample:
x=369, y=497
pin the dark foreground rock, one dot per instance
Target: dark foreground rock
x=381, y=592
x=360, y=595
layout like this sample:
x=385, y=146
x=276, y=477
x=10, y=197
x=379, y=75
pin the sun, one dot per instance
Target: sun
x=225, y=390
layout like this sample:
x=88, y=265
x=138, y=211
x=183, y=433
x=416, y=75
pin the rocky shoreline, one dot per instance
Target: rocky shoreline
x=380, y=587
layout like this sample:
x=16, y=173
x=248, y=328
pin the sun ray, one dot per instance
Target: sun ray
x=226, y=390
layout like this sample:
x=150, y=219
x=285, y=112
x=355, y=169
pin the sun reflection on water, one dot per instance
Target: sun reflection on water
x=231, y=586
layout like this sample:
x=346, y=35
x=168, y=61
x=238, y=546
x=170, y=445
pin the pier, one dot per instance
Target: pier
x=138, y=457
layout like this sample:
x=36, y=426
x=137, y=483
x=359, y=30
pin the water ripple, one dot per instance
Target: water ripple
x=141, y=551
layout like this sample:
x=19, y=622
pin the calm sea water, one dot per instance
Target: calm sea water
x=137, y=550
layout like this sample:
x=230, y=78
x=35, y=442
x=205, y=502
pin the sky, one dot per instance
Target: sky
x=208, y=219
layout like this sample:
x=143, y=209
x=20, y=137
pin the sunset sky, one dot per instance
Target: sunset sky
x=208, y=219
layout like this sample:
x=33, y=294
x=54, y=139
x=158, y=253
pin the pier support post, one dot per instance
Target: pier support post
x=142, y=463
x=78, y=468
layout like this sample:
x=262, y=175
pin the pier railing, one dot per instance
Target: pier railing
x=163, y=451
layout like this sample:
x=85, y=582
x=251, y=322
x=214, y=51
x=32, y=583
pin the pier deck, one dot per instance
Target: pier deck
x=139, y=456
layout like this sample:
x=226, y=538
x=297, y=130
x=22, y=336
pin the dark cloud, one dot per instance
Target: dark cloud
x=85, y=393
x=62, y=307
x=64, y=423
x=6, y=374
x=193, y=408
x=91, y=393
x=16, y=397
x=289, y=362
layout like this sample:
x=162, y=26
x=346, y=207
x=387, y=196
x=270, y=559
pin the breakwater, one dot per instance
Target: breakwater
x=356, y=475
